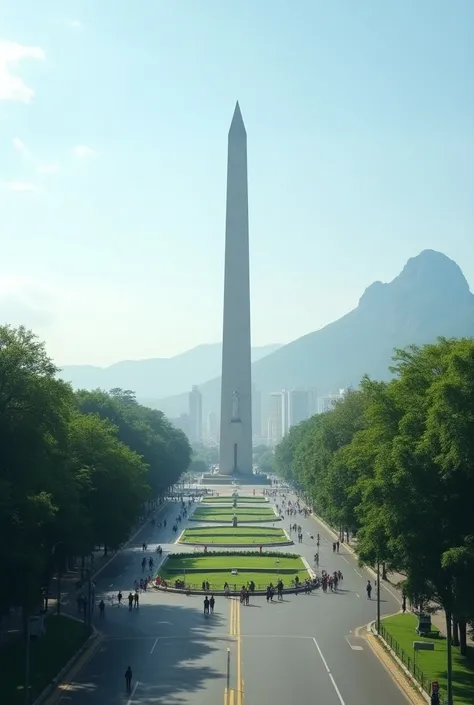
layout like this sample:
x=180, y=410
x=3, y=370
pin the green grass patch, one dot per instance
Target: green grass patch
x=402, y=627
x=241, y=499
x=48, y=655
x=226, y=514
x=243, y=535
x=217, y=569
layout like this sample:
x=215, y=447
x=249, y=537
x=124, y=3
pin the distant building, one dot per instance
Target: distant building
x=256, y=413
x=195, y=416
x=298, y=406
x=328, y=402
x=182, y=423
x=213, y=428
x=313, y=402
x=276, y=417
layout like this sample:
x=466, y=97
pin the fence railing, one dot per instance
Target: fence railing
x=410, y=663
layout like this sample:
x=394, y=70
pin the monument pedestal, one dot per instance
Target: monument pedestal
x=239, y=478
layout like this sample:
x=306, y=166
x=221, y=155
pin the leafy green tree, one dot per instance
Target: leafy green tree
x=112, y=478
x=34, y=412
x=265, y=462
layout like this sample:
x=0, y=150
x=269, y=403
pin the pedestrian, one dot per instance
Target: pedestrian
x=212, y=602
x=128, y=679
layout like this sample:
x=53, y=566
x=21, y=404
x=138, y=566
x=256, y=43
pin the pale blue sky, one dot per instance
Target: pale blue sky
x=359, y=116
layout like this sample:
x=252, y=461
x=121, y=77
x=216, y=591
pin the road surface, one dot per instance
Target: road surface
x=304, y=649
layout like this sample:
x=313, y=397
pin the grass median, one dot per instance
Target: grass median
x=217, y=569
x=226, y=514
x=402, y=627
x=241, y=535
x=48, y=655
x=241, y=499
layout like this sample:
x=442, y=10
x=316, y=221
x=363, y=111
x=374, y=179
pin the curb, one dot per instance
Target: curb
x=250, y=521
x=406, y=673
x=221, y=593
x=87, y=645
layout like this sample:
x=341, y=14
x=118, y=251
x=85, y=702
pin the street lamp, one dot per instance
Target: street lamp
x=378, y=598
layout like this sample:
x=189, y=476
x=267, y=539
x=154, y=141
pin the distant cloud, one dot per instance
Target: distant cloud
x=20, y=147
x=75, y=24
x=82, y=151
x=20, y=186
x=12, y=87
x=26, y=302
x=49, y=168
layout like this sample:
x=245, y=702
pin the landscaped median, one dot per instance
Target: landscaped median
x=234, y=568
x=49, y=654
x=221, y=515
x=235, y=536
x=428, y=666
x=241, y=499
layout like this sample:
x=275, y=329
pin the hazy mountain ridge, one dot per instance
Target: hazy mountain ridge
x=157, y=377
x=429, y=298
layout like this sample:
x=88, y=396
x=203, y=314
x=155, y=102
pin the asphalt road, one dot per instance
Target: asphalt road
x=304, y=649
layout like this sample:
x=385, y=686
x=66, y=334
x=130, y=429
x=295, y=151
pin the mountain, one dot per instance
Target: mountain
x=428, y=299
x=156, y=377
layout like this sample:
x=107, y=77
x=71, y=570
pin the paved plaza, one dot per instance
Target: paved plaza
x=305, y=648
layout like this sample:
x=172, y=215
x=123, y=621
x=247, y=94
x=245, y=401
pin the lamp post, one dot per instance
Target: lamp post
x=378, y=597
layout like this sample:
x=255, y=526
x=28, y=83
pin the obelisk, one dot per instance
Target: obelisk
x=236, y=394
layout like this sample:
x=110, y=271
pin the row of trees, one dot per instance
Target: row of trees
x=76, y=469
x=394, y=462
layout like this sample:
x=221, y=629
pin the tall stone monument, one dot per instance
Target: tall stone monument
x=236, y=394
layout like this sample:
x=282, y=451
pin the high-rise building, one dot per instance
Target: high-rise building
x=256, y=413
x=276, y=417
x=195, y=415
x=235, y=452
x=213, y=427
x=298, y=406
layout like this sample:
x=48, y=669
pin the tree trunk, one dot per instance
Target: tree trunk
x=384, y=571
x=449, y=664
x=455, y=640
x=463, y=637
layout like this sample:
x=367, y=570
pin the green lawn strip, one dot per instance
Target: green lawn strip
x=228, y=500
x=238, y=535
x=235, y=531
x=402, y=627
x=217, y=569
x=223, y=514
x=48, y=655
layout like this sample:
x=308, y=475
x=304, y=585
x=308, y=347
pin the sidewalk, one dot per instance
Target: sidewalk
x=11, y=626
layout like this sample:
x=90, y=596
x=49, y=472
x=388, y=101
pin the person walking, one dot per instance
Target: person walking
x=128, y=679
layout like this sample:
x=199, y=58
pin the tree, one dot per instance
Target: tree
x=165, y=449
x=34, y=413
x=112, y=478
x=265, y=462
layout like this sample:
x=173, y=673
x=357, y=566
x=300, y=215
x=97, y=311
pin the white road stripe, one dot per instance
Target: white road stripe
x=154, y=646
x=345, y=559
x=338, y=692
x=359, y=574
x=133, y=693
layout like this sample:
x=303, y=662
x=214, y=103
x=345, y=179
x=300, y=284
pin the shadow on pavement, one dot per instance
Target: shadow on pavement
x=177, y=654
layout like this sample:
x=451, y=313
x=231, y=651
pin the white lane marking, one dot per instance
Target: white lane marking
x=345, y=559
x=357, y=595
x=353, y=646
x=133, y=693
x=153, y=647
x=392, y=594
x=359, y=574
x=338, y=692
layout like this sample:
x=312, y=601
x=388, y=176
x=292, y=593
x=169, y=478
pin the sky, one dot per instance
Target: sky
x=113, y=138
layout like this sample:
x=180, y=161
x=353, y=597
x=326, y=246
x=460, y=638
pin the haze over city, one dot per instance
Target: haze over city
x=113, y=129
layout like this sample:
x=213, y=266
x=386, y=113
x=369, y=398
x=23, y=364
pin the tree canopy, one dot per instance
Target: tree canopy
x=76, y=469
x=394, y=463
